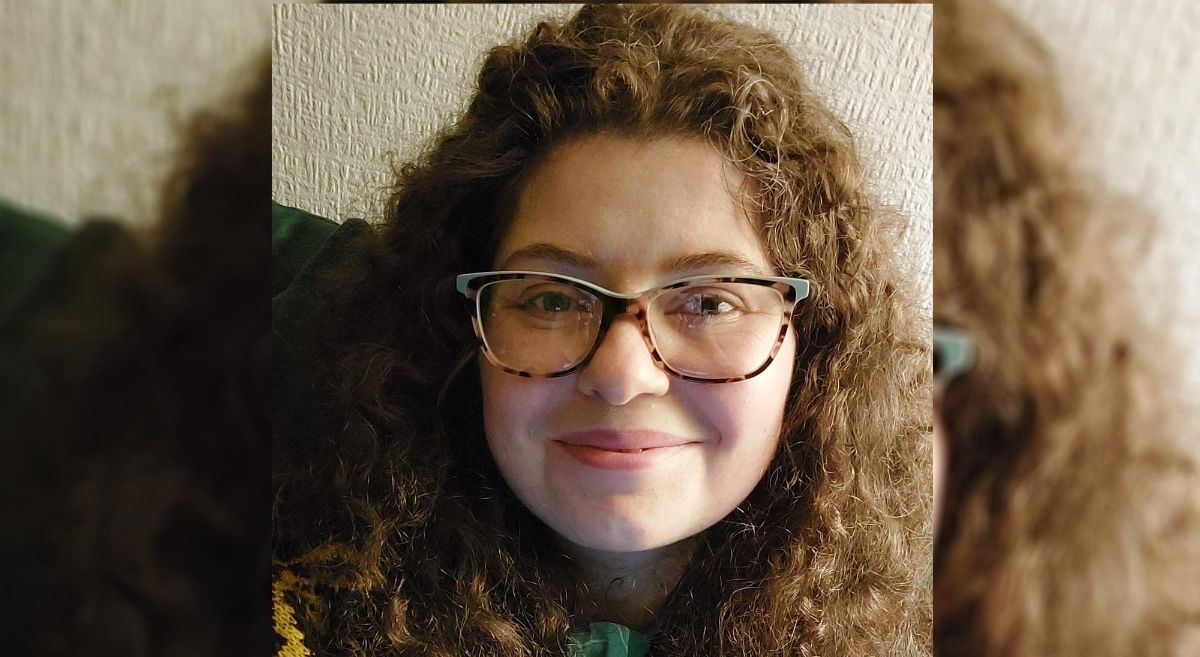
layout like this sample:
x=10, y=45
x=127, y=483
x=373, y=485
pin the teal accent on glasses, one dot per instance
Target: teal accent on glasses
x=953, y=351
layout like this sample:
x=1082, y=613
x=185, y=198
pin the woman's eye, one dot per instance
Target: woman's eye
x=554, y=304
x=549, y=302
x=707, y=304
x=701, y=305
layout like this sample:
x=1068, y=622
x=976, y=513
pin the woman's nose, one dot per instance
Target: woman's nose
x=622, y=367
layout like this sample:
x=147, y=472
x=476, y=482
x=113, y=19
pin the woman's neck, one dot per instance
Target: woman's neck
x=629, y=588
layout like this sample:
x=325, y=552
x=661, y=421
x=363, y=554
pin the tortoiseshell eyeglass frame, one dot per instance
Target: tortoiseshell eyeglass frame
x=615, y=305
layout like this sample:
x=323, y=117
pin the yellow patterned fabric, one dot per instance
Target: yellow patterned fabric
x=289, y=640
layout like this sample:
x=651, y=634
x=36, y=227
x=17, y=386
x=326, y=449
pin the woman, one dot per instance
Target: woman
x=692, y=422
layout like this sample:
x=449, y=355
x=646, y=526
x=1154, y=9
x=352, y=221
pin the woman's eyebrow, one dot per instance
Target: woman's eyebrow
x=727, y=260
x=545, y=251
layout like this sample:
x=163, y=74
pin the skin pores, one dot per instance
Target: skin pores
x=632, y=215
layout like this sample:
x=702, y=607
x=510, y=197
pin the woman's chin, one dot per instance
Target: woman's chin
x=617, y=536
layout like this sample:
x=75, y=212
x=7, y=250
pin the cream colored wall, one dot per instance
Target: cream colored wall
x=356, y=86
x=1131, y=76
x=92, y=93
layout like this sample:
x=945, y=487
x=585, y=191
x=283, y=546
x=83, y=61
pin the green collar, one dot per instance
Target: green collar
x=607, y=640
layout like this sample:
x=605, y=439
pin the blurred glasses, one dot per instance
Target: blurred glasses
x=712, y=329
x=953, y=352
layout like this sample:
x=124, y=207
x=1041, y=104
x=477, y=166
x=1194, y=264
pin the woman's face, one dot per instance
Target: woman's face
x=629, y=216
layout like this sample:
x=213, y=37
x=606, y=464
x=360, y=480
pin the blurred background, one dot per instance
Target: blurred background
x=1129, y=75
x=134, y=328
x=95, y=94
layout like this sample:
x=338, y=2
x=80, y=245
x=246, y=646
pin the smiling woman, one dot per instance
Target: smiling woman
x=626, y=369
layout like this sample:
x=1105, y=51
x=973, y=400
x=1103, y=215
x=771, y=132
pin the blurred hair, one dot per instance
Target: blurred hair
x=394, y=502
x=1070, y=504
x=139, y=442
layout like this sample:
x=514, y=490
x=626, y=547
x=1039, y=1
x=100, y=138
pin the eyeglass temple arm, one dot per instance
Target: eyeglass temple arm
x=957, y=349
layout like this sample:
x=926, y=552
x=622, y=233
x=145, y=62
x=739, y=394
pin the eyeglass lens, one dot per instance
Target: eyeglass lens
x=708, y=330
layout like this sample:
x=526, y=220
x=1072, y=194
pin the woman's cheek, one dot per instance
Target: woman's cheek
x=508, y=402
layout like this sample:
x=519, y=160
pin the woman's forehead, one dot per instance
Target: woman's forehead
x=611, y=203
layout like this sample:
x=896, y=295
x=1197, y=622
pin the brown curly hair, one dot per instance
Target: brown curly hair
x=1070, y=523
x=391, y=498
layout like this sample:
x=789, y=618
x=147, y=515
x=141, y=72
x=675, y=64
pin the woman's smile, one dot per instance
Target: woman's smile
x=622, y=450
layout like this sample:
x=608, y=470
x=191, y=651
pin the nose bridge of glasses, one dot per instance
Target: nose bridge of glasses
x=625, y=306
x=635, y=313
x=633, y=308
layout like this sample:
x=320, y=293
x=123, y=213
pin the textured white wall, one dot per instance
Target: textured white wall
x=1130, y=75
x=92, y=93
x=357, y=85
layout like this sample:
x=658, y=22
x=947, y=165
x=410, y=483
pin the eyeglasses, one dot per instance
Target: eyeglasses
x=712, y=329
x=953, y=352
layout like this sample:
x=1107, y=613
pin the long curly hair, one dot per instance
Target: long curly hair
x=1070, y=523
x=387, y=494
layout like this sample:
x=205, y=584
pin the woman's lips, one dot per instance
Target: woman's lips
x=621, y=450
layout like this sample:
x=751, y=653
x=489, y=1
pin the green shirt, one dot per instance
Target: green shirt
x=607, y=640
